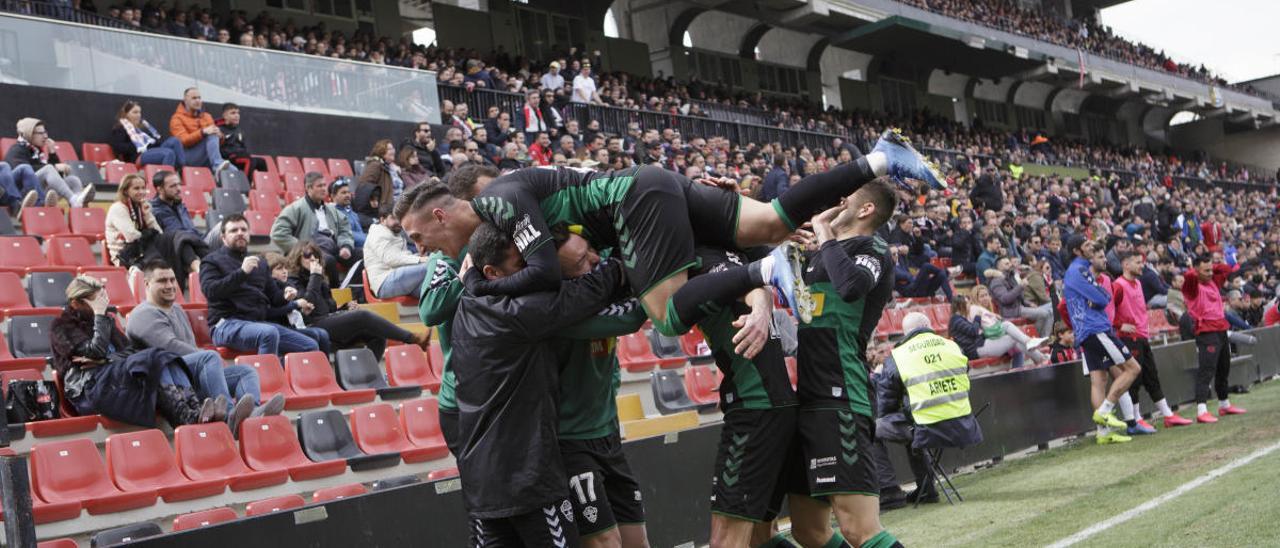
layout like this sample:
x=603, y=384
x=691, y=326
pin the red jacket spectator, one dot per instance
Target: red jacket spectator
x=1271, y=316
x=541, y=156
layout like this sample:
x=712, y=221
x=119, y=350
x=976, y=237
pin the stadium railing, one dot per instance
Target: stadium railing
x=734, y=113
x=614, y=120
x=152, y=65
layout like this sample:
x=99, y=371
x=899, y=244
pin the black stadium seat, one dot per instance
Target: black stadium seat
x=668, y=392
x=29, y=336
x=358, y=167
x=233, y=180
x=358, y=369
x=48, y=288
x=664, y=346
x=6, y=226
x=325, y=436
x=391, y=483
x=87, y=172
x=128, y=533
x=229, y=201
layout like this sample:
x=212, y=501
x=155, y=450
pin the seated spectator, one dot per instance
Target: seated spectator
x=381, y=172
x=135, y=140
x=103, y=374
x=167, y=207
x=1176, y=304
x=983, y=334
x=461, y=121
x=10, y=195
x=310, y=218
x=987, y=261
x=411, y=170
x=965, y=246
x=393, y=270
x=424, y=144
x=36, y=150
x=511, y=158
x=160, y=323
x=1063, y=349
x=200, y=137
x=233, y=146
x=1009, y=289
x=340, y=190
x=247, y=311
x=924, y=283
x=347, y=326
x=540, y=150
x=133, y=235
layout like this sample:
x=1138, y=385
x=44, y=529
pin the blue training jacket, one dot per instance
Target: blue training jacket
x=1086, y=301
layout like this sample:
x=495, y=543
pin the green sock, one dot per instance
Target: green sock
x=837, y=541
x=778, y=541
x=883, y=539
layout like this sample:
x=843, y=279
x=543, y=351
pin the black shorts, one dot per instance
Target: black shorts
x=602, y=489
x=655, y=239
x=837, y=452
x=1102, y=351
x=550, y=527
x=713, y=214
x=449, y=429
x=756, y=464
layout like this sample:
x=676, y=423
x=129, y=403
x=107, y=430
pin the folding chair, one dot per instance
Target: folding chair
x=937, y=474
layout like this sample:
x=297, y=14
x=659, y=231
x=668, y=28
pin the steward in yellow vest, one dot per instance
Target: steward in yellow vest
x=922, y=394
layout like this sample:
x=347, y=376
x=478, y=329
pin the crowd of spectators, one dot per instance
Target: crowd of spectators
x=1084, y=34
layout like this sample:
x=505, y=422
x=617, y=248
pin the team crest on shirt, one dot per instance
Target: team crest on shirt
x=590, y=513
x=567, y=510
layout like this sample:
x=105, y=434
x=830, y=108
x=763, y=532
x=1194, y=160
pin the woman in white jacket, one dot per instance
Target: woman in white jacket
x=393, y=270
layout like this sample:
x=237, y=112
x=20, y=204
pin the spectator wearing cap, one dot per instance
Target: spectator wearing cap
x=551, y=79
x=340, y=192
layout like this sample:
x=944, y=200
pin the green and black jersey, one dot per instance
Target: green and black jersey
x=851, y=281
x=759, y=383
x=525, y=202
x=437, y=301
x=589, y=374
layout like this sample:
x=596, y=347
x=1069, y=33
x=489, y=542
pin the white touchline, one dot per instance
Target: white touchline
x=1142, y=508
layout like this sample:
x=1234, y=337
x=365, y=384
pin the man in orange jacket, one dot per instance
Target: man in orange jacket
x=199, y=136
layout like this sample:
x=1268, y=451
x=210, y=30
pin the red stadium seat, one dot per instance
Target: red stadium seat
x=149, y=171
x=376, y=429
x=272, y=381
x=58, y=543
x=66, y=152
x=268, y=183
x=199, y=178
x=339, y=168
x=44, y=221
x=98, y=153
x=444, y=473
x=117, y=170
x=271, y=443
x=7, y=377
x=702, y=382
x=406, y=300
x=6, y=143
x=72, y=471
x=208, y=452
x=116, y=280
x=70, y=251
x=289, y=164
x=310, y=374
x=196, y=201
x=274, y=504
x=193, y=287
x=14, y=297
x=635, y=354
x=196, y=520
x=271, y=165
x=259, y=222
x=294, y=183
x=138, y=283
x=435, y=353
x=339, y=492
x=143, y=461
x=265, y=202
x=199, y=319
x=420, y=420
x=407, y=365
x=694, y=346
x=317, y=165
x=20, y=252
x=88, y=221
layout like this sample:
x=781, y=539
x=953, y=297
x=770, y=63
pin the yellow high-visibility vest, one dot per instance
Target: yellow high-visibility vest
x=1016, y=170
x=935, y=372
